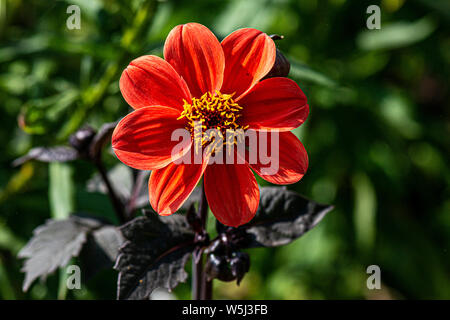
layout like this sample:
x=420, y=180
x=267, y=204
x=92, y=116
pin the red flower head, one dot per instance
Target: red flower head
x=219, y=85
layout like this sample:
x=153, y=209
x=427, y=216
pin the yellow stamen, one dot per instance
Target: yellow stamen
x=212, y=111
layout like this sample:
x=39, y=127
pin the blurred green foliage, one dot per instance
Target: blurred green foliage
x=378, y=135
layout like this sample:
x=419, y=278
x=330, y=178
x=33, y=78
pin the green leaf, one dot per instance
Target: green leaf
x=6, y=287
x=301, y=72
x=239, y=14
x=396, y=35
x=365, y=211
x=398, y=110
x=8, y=240
x=39, y=114
x=441, y=7
x=61, y=190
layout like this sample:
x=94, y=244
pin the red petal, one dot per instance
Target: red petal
x=275, y=103
x=249, y=56
x=232, y=193
x=142, y=139
x=286, y=166
x=194, y=51
x=149, y=80
x=171, y=186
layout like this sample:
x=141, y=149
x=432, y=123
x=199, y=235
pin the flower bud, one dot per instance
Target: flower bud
x=81, y=139
x=217, y=267
x=239, y=264
x=280, y=68
x=217, y=247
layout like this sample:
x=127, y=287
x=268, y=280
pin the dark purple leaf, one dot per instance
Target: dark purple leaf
x=101, y=250
x=53, y=245
x=282, y=217
x=154, y=255
x=51, y=154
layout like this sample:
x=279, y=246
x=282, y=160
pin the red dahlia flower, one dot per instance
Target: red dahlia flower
x=199, y=72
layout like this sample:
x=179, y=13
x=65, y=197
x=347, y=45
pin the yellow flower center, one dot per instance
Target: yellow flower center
x=218, y=112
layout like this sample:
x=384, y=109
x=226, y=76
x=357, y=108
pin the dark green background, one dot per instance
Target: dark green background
x=378, y=134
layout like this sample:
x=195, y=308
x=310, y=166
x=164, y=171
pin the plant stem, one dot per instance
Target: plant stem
x=117, y=204
x=197, y=271
x=201, y=287
x=131, y=205
x=206, y=288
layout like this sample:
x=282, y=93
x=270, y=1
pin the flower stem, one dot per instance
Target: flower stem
x=197, y=271
x=138, y=184
x=117, y=204
x=201, y=287
x=206, y=288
